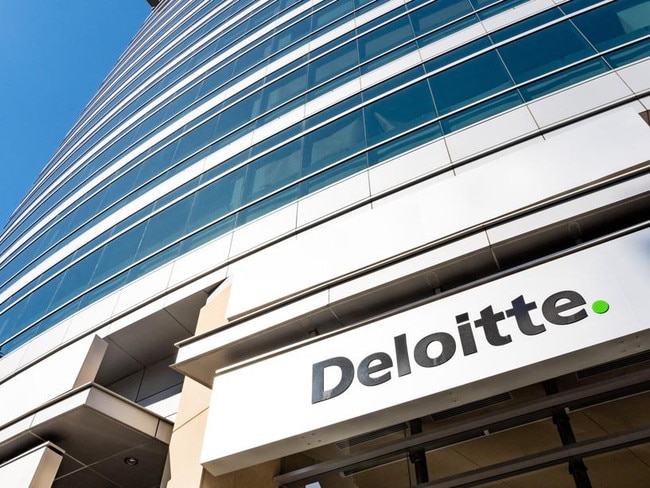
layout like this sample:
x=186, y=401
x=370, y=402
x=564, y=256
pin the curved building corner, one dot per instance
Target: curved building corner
x=341, y=244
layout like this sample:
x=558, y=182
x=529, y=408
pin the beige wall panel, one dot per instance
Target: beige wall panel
x=260, y=476
x=189, y=427
x=213, y=314
x=184, y=453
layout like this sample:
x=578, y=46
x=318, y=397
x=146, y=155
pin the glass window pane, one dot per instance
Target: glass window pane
x=469, y=81
x=629, y=54
x=544, y=51
x=291, y=34
x=159, y=232
x=332, y=111
x=284, y=89
x=118, y=253
x=195, y=139
x=273, y=170
x=482, y=3
x=499, y=7
x=10, y=324
x=575, y=5
x=216, y=79
x=381, y=40
x=332, y=64
x=332, y=142
x=76, y=278
x=615, y=23
x=216, y=199
x=154, y=164
x=240, y=113
x=153, y=262
x=398, y=112
x=394, y=82
x=332, y=12
x=438, y=14
x=104, y=289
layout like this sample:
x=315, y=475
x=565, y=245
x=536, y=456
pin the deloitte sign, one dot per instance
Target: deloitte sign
x=562, y=308
x=518, y=330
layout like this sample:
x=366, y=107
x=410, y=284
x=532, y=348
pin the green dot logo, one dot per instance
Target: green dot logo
x=600, y=306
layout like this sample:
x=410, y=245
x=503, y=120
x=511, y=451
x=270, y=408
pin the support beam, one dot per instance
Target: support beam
x=577, y=467
x=418, y=456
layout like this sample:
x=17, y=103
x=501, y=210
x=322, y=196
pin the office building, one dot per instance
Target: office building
x=342, y=243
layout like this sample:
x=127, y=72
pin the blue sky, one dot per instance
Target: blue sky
x=53, y=57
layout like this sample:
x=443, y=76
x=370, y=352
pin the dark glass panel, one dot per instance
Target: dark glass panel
x=437, y=14
x=398, y=112
x=394, y=82
x=544, y=51
x=386, y=37
x=216, y=199
x=104, y=289
x=118, y=254
x=153, y=262
x=615, y=23
x=284, y=89
x=164, y=227
x=76, y=279
x=291, y=34
x=273, y=170
x=38, y=301
x=332, y=64
x=469, y=81
x=332, y=12
x=333, y=141
x=629, y=54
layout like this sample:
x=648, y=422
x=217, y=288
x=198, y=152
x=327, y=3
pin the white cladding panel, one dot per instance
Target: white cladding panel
x=55, y=374
x=35, y=469
x=276, y=404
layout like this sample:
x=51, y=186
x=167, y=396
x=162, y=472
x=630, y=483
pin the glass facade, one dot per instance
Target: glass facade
x=220, y=112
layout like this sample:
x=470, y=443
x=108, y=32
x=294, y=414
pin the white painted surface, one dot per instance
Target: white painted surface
x=332, y=198
x=637, y=76
x=34, y=469
x=452, y=41
x=200, y=259
x=55, y=375
x=408, y=166
x=264, y=229
x=578, y=99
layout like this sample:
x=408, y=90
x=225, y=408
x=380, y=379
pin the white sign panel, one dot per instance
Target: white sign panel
x=503, y=334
